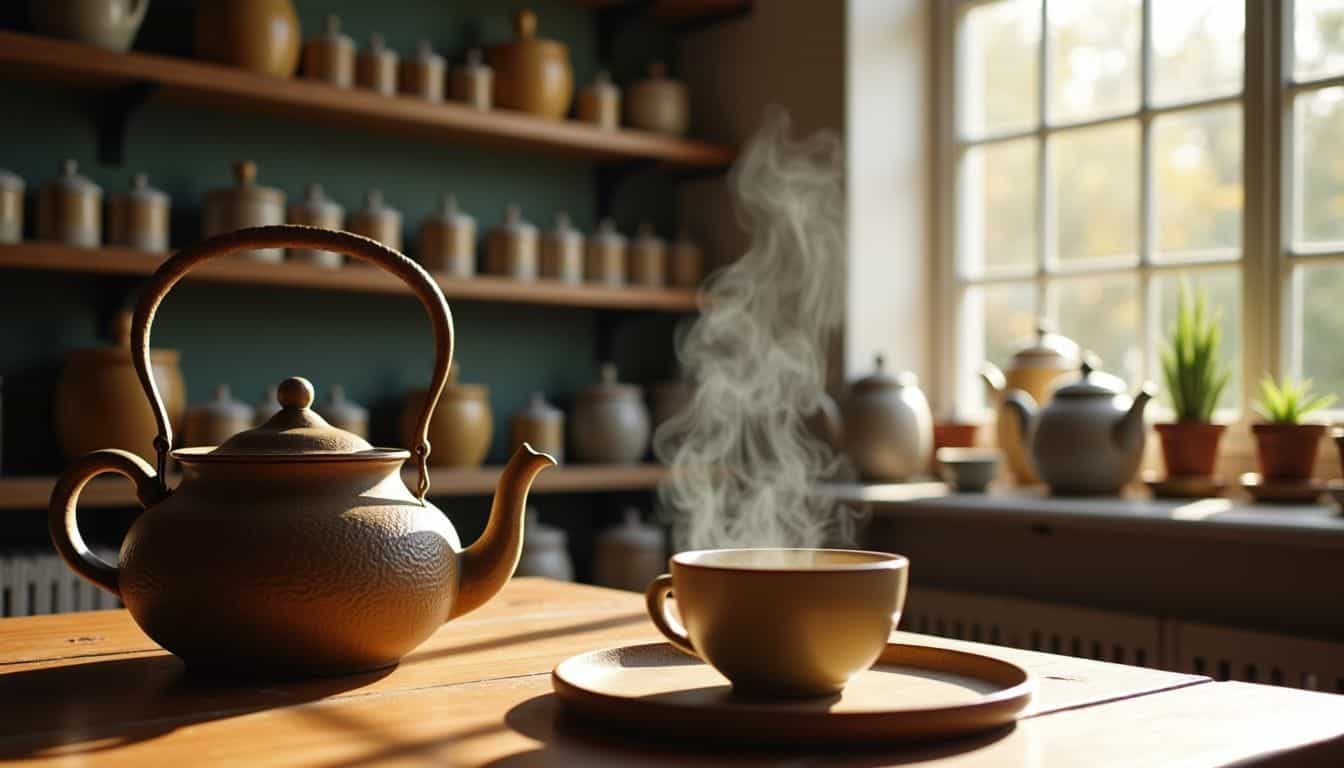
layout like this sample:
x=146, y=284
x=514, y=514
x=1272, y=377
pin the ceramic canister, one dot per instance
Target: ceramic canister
x=138, y=217
x=461, y=428
x=266, y=407
x=109, y=24
x=610, y=424
x=686, y=262
x=70, y=209
x=511, y=248
x=11, y=207
x=648, y=258
x=330, y=57
x=540, y=425
x=531, y=73
x=658, y=103
x=422, y=75
x=377, y=221
x=600, y=102
x=448, y=240
x=629, y=555
x=605, y=262
x=474, y=82
x=562, y=252
x=545, y=550
x=246, y=204
x=216, y=421
x=376, y=67
x=317, y=210
x=262, y=36
x=343, y=413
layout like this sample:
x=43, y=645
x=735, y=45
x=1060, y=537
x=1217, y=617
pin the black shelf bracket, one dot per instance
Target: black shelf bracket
x=111, y=115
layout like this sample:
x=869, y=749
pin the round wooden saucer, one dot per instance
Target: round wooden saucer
x=1282, y=491
x=913, y=692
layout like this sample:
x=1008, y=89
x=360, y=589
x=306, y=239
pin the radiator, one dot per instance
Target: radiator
x=1225, y=653
x=38, y=582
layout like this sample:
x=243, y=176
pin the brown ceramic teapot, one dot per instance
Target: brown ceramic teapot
x=293, y=548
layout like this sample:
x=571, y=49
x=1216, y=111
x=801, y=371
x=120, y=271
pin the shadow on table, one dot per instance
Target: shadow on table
x=570, y=740
x=94, y=705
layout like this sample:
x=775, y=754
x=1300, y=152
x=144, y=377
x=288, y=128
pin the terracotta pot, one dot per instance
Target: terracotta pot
x=1287, y=451
x=630, y=555
x=216, y=421
x=610, y=423
x=377, y=221
x=109, y=24
x=330, y=57
x=11, y=207
x=246, y=204
x=70, y=209
x=531, y=73
x=952, y=434
x=376, y=67
x=261, y=36
x=888, y=427
x=511, y=248
x=658, y=103
x=545, y=551
x=343, y=413
x=460, y=432
x=562, y=252
x=600, y=103
x=540, y=425
x=138, y=218
x=423, y=75
x=1190, y=448
x=316, y=210
x=474, y=82
x=448, y=241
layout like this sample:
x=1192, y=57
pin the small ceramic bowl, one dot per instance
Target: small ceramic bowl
x=968, y=470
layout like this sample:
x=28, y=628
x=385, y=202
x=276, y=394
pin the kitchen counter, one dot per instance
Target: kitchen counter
x=91, y=689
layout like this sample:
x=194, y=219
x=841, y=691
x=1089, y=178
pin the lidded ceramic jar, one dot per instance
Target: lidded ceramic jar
x=511, y=248
x=630, y=555
x=540, y=425
x=99, y=402
x=610, y=424
x=474, y=81
x=460, y=431
x=422, y=75
x=213, y=422
x=247, y=204
x=317, y=210
x=532, y=73
x=605, y=261
x=343, y=413
x=888, y=427
x=138, y=218
x=686, y=262
x=109, y=24
x=377, y=221
x=562, y=252
x=658, y=103
x=376, y=67
x=70, y=209
x=545, y=550
x=11, y=207
x=648, y=258
x=330, y=57
x=266, y=407
x=262, y=36
x=1033, y=369
x=448, y=240
x=600, y=102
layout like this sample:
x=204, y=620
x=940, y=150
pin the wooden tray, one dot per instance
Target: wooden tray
x=913, y=692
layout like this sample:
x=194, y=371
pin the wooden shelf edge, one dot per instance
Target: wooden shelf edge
x=34, y=492
x=486, y=288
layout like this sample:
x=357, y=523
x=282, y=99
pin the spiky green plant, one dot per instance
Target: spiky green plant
x=1194, y=373
x=1288, y=401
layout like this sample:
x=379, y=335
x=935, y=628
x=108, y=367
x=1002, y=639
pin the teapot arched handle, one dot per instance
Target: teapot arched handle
x=177, y=266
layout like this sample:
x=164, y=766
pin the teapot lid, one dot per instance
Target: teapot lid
x=1091, y=382
x=881, y=379
x=1046, y=350
x=296, y=432
x=70, y=180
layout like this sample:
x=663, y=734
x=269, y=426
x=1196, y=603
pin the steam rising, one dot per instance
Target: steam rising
x=744, y=466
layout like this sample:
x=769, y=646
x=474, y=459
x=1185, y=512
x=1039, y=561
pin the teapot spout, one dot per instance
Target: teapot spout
x=487, y=565
x=1128, y=432
x=1021, y=409
x=995, y=381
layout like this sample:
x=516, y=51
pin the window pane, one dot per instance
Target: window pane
x=1321, y=312
x=1095, y=193
x=1000, y=62
x=1318, y=38
x=1000, y=317
x=1196, y=49
x=1094, y=58
x=998, y=214
x=1197, y=182
x=1223, y=288
x=1318, y=171
x=1102, y=315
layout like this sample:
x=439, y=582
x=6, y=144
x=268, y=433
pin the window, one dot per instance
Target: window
x=1095, y=158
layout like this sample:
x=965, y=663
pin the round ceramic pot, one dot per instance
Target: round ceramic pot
x=423, y=74
x=261, y=36
x=630, y=555
x=686, y=262
x=1190, y=448
x=532, y=74
x=343, y=413
x=70, y=209
x=605, y=259
x=376, y=67
x=214, y=422
x=648, y=258
x=658, y=103
x=1287, y=451
x=545, y=551
x=377, y=221
x=110, y=24
x=138, y=218
x=460, y=431
x=511, y=248
x=11, y=207
x=448, y=241
x=330, y=57
x=540, y=425
x=316, y=210
x=562, y=252
x=888, y=426
x=600, y=103
x=246, y=204
x=610, y=424
x=474, y=82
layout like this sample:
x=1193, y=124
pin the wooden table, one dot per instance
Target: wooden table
x=91, y=689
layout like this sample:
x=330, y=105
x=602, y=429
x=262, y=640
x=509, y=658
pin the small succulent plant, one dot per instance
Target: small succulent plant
x=1288, y=401
x=1194, y=373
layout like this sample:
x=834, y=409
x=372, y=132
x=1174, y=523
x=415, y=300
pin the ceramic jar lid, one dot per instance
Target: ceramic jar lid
x=475, y=62
x=119, y=351
x=340, y=408
x=246, y=190
x=224, y=406
x=881, y=379
x=1047, y=350
x=296, y=432
x=1092, y=382
x=645, y=237
x=456, y=390
x=564, y=232
x=10, y=182
x=450, y=215
x=376, y=209
x=317, y=206
x=331, y=33
x=142, y=192
x=609, y=388
x=425, y=55
x=71, y=182
x=607, y=234
x=537, y=409
x=514, y=224
x=378, y=49
x=602, y=85
x=525, y=36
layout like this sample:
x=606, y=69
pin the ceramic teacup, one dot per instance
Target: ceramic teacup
x=782, y=622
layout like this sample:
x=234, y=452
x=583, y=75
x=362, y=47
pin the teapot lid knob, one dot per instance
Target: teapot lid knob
x=1090, y=363
x=295, y=393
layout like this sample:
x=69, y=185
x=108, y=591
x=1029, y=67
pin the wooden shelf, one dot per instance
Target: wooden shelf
x=487, y=288
x=187, y=80
x=34, y=492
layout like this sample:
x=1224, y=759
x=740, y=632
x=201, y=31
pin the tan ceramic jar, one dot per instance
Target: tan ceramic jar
x=511, y=248
x=630, y=555
x=377, y=221
x=11, y=207
x=344, y=413
x=70, y=209
x=1034, y=369
x=600, y=102
x=316, y=210
x=532, y=74
x=330, y=57
x=658, y=103
x=448, y=241
x=687, y=262
x=474, y=82
x=610, y=423
x=138, y=218
x=376, y=67
x=460, y=431
x=422, y=75
x=214, y=422
x=562, y=252
x=648, y=258
x=540, y=425
x=605, y=259
x=261, y=36
x=246, y=204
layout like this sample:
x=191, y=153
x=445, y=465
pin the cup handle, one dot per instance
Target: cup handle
x=655, y=597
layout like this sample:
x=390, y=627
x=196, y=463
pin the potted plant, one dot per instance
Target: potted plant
x=1284, y=446
x=1195, y=378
